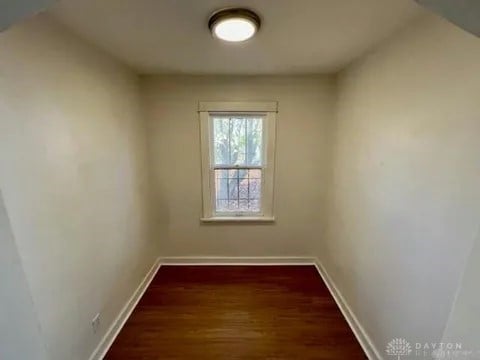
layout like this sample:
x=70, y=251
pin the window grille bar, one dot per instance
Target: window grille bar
x=238, y=189
x=248, y=190
x=246, y=140
x=230, y=140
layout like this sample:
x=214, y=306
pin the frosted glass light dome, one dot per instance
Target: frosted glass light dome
x=234, y=25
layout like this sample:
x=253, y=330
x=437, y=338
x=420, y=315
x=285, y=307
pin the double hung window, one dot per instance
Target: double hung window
x=238, y=148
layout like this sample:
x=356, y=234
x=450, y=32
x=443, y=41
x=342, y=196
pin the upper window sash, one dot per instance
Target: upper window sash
x=249, y=159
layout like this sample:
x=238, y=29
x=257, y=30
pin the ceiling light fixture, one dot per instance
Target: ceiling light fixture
x=234, y=25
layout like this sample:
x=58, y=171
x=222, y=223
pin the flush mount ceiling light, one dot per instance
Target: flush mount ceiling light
x=234, y=25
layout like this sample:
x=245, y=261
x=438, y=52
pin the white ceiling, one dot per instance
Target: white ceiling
x=297, y=36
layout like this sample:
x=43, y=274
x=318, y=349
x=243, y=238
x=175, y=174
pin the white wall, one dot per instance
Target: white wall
x=405, y=199
x=20, y=336
x=305, y=105
x=74, y=178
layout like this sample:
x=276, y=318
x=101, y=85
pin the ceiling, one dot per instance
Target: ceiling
x=297, y=36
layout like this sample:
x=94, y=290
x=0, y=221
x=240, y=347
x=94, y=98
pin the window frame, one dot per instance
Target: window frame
x=268, y=110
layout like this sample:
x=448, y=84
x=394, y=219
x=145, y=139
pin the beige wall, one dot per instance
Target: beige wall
x=73, y=177
x=305, y=105
x=405, y=200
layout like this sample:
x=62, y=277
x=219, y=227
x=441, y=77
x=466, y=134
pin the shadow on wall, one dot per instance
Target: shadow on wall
x=18, y=321
x=463, y=13
x=12, y=11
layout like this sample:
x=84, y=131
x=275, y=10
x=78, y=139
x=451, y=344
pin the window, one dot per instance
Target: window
x=238, y=141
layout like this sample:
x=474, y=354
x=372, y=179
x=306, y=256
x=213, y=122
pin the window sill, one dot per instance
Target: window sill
x=235, y=219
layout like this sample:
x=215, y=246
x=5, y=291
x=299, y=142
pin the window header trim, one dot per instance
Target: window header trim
x=234, y=106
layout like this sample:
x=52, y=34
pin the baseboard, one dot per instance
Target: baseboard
x=365, y=341
x=254, y=260
x=117, y=325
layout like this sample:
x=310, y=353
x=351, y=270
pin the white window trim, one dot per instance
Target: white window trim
x=269, y=111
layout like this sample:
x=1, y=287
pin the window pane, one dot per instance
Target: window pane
x=254, y=141
x=255, y=184
x=238, y=190
x=254, y=205
x=238, y=140
x=243, y=205
x=221, y=138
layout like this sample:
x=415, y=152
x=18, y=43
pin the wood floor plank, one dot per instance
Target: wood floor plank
x=236, y=312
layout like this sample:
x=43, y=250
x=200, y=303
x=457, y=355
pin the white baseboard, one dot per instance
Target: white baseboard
x=252, y=260
x=117, y=325
x=365, y=341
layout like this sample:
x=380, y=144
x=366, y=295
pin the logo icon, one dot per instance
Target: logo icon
x=398, y=347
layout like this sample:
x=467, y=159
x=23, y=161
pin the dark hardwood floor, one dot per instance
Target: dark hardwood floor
x=236, y=312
